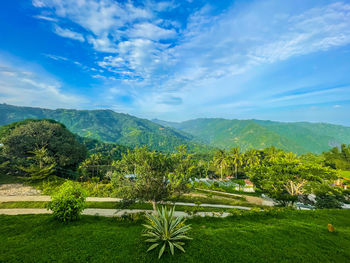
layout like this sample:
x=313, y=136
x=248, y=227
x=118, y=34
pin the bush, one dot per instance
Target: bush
x=132, y=217
x=68, y=203
x=327, y=201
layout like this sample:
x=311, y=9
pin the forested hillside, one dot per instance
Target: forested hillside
x=299, y=137
x=104, y=125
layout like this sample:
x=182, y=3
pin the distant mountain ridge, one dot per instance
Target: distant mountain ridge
x=298, y=137
x=104, y=125
x=124, y=129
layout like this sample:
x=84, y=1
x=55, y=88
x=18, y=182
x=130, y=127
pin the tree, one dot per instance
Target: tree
x=20, y=138
x=94, y=166
x=182, y=168
x=251, y=158
x=221, y=161
x=150, y=171
x=284, y=180
x=272, y=154
x=236, y=159
x=42, y=166
x=338, y=158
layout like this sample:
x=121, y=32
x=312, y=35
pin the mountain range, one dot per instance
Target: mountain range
x=124, y=129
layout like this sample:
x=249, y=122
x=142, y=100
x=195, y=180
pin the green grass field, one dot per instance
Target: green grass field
x=8, y=179
x=345, y=174
x=109, y=205
x=291, y=236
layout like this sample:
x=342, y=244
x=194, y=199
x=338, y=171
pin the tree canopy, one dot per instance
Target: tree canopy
x=20, y=139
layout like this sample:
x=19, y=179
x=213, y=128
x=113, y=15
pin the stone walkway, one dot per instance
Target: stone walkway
x=101, y=212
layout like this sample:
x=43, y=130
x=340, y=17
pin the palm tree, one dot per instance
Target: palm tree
x=273, y=154
x=251, y=158
x=236, y=159
x=290, y=156
x=221, y=161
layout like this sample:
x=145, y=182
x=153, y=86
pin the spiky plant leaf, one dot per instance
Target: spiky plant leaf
x=166, y=230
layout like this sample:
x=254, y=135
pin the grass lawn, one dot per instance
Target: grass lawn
x=291, y=236
x=207, y=198
x=345, y=174
x=109, y=205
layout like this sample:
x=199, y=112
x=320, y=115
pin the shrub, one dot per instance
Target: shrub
x=133, y=217
x=327, y=201
x=255, y=210
x=68, y=203
x=165, y=230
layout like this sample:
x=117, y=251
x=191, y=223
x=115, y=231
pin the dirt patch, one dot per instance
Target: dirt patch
x=17, y=190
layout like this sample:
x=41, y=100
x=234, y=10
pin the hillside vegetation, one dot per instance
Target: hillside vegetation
x=109, y=126
x=299, y=137
x=104, y=125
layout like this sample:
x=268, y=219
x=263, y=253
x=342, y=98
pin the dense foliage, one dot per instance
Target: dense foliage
x=68, y=203
x=42, y=166
x=22, y=138
x=285, y=180
x=338, y=158
x=142, y=174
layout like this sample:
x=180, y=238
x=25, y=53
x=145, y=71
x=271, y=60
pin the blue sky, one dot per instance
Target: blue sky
x=179, y=60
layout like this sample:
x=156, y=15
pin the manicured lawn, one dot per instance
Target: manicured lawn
x=292, y=236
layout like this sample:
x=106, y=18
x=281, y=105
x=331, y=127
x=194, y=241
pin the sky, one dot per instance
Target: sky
x=179, y=60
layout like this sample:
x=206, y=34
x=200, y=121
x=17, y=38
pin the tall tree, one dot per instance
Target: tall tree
x=251, y=158
x=272, y=154
x=221, y=161
x=236, y=158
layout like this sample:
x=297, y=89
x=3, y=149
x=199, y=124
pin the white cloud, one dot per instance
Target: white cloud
x=56, y=57
x=151, y=31
x=47, y=18
x=22, y=87
x=102, y=44
x=63, y=32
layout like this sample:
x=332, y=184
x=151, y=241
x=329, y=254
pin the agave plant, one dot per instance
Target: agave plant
x=163, y=229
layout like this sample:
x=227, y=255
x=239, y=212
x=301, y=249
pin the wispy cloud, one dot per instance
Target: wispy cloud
x=47, y=18
x=63, y=32
x=22, y=86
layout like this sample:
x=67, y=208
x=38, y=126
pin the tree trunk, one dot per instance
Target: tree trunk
x=236, y=171
x=221, y=172
x=154, y=204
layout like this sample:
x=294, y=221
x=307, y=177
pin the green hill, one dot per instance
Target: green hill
x=104, y=125
x=124, y=129
x=298, y=137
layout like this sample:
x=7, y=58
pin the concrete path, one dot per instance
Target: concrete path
x=102, y=212
x=251, y=199
x=43, y=198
